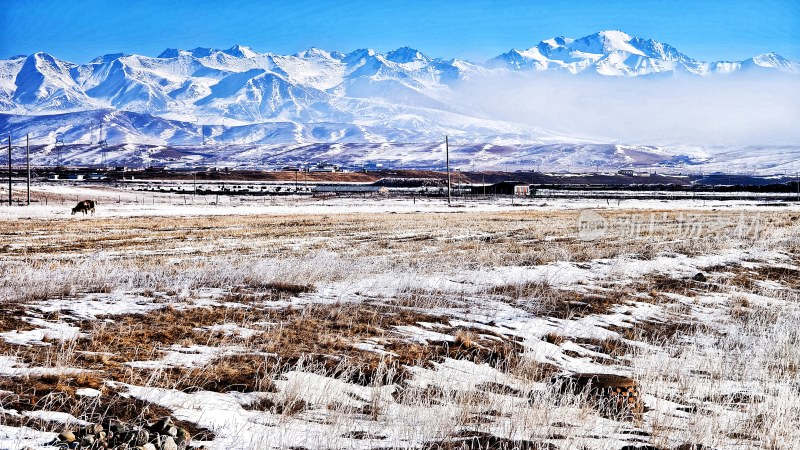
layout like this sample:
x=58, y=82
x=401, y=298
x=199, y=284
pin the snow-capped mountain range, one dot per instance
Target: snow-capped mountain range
x=614, y=53
x=204, y=94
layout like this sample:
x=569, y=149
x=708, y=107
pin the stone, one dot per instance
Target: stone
x=167, y=443
x=148, y=446
x=699, y=276
x=161, y=425
x=142, y=437
x=134, y=437
x=183, y=436
x=91, y=429
x=113, y=426
x=170, y=430
x=66, y=436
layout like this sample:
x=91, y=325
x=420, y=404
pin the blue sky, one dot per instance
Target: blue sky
x=473, y=29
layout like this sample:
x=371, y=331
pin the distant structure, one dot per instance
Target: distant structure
x=324, y=168
x=515, y=188
x=633, y=173
x=345, y=189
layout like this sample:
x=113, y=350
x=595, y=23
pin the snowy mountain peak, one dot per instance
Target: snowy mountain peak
x=240, y=51
x=359, y=57
x=171, y=53
x=614, y=36
x=198, y=52
x=605, y=42
x=45, y=83
x=108, y=58
x=314, y=53
x=202, y=52
x=608, y=53
x=771, y=59
x=406, y=55
x=361, y=52
x=557, y=41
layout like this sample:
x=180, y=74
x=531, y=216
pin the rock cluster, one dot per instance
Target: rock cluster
x=112, y=434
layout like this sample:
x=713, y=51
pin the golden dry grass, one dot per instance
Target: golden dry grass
x=263, y=262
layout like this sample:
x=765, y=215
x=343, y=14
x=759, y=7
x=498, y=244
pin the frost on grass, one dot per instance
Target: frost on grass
x=400, y=330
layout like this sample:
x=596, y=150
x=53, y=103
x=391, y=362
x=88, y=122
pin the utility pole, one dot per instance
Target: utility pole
x=28, y=164
x=9, y=170
x=446, y=150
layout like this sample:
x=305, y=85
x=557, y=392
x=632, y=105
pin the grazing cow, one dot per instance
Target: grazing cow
x=84, y=207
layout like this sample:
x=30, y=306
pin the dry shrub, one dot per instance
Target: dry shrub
x=497, y=388
x=740, y=308
x=516, y=291
x=554, y=338
x=611, y=346
x=466, y=338
x=656, y=331
x=527, y=368
x=289, y=406
x=665, y=283
x=478, y=349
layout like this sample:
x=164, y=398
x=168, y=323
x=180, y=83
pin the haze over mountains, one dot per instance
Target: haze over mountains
x=238, y=95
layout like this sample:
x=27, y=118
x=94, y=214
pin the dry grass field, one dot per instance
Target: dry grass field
x=464, y=329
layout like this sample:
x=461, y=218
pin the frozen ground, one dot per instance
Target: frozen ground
x=385, y=323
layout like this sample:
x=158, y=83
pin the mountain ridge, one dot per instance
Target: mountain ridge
x=45, y=84
x=402, y=94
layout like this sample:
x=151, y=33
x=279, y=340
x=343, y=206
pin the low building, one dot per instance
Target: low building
x=324, y=168
x=627, y=172
x=349, y=189
x=516, y=188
